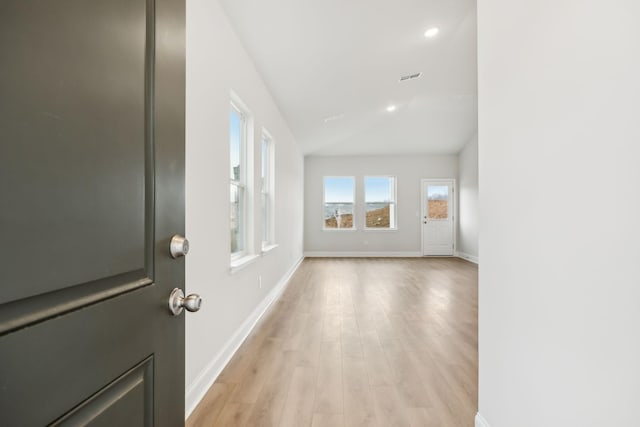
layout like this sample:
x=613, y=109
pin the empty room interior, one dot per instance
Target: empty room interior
x=296, y=213
x=349, y=134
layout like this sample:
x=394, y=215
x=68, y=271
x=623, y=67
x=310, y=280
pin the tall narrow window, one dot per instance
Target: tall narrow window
x=238, y=144
x=267, y=189
x=339, y=200
x=380, y=202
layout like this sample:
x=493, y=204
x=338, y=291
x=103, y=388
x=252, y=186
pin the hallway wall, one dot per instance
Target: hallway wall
x=559, y=146
x=468, y=200
x=217, y=64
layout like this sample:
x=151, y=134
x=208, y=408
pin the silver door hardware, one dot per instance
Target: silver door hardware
x=178, y=302
x=179, y=246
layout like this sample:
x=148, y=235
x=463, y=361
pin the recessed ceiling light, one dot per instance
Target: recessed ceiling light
x=431, y=32
x=334, y=118
x=391, y=108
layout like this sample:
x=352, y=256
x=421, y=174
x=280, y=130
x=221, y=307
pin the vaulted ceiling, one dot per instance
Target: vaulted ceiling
x=333, y=67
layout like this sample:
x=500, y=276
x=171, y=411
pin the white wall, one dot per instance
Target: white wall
x=406, y=241
x=468, y=200
x=559, y=146
x=216, y=63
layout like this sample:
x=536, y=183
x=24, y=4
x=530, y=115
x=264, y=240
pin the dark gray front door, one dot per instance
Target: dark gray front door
x=91, y=192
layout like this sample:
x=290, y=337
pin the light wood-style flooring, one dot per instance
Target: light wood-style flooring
x=358, y=342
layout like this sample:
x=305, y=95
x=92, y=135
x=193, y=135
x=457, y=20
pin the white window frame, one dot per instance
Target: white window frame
x=324, y=180
x=267, y=190
x=394, y=202
x=241, y=183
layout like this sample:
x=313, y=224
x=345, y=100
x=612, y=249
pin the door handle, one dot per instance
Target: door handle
x=178, y=302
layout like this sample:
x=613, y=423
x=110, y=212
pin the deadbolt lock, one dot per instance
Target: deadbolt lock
x=179, y=246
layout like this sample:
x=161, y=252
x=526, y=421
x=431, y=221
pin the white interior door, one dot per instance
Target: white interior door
x=437, y=217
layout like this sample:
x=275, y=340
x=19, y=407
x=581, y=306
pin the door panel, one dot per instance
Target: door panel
x=126, y=401
x=437, y=217
x=92, y=189
x=53, y=366
x=76, y=126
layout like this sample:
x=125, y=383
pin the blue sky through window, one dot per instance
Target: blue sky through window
x=338, y=189
x=235, y=122
x=378, y=189
x=437, y=192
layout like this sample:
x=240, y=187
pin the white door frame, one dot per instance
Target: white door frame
x=454, y=210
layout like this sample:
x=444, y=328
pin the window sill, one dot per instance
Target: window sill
x=384, y=230
x=268, y=248
x=240, y=263
x=339, y=229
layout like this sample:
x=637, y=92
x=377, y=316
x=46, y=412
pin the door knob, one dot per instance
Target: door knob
x=179, y=246
x=178, y=302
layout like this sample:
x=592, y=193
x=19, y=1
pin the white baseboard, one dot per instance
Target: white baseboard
x=363, y=254
x=205, y=379
x=471, y=258
x=480, y=421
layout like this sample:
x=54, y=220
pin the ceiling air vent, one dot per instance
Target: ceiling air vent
x=410, y=77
